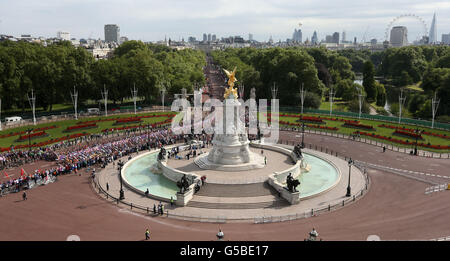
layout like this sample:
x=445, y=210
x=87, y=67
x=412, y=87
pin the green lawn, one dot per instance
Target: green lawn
x=374, y=105
x=415, y=87
x=337, y=106
x=382, y=131
x=62, y=125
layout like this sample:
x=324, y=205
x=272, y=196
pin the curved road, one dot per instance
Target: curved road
x=395, y=208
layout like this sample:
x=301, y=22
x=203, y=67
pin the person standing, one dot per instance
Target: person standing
x=24, y=195
x=162, y=210
x=107, y=186
x=265, y=160
x=220, y=235
x=147, y=234
x=154, y=208
x=384, y=148
x=171, y=201
x=313, y=235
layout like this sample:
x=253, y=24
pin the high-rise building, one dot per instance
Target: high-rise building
x=213, y=38
x=328, y=39
x=446, y=38
x=209, y=37
x=112, y=33
x=399, y=36
x=205, y=37
x=314, y=39
x=63, y=35
x=343, y=37
x=433, y=31
x=297, y=36
x=250, y=37
x=123, y=39
x=336, y=37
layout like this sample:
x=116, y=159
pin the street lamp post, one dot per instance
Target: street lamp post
x=122, y=196
x=29, y=130
x=417, y=131
x=303, y=135
x=349, y=190
x=148, y=136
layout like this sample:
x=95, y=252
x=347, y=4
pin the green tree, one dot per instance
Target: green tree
x=381, y=94
x=369, y=81
x=353, y=106
x=312, y=100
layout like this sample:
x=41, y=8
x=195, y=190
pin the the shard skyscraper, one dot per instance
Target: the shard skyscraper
x=433, y=32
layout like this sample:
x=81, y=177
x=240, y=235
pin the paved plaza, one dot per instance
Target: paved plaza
x=275, y=162
x=217, y=207
x=395, y=208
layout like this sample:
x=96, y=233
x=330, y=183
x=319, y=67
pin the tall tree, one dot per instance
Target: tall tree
x=369, y=81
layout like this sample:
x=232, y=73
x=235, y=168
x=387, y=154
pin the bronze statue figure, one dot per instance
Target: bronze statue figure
x=183, y=184
x=298, y=151
x=292, y=183
x=162, y=154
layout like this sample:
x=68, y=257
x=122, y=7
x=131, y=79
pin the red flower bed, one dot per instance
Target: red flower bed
x=357, y=126
x=322, y=127
x=45, y=143
x=45, y=128
x=32, y=136
x=308, y=125
x=412, y=130
x=12, y=134
x=313, y=118
x=128, y=120
x=169, y=115
x=436, y=135
x=79, y=127
x=154, y=125
x=407, y=134
x=439, y=147
x=24, y=132
x=88, y=122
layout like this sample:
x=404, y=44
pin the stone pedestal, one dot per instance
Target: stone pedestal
x=231, y=150
x=184, y=198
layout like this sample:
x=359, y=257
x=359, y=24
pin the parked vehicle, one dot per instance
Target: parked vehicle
x=13, y=120
x=93, y=111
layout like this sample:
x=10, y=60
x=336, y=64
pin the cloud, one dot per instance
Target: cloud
x=152, y=19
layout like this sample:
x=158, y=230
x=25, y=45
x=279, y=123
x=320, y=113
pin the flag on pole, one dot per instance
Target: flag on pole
x=6, y=174
x=21, y=172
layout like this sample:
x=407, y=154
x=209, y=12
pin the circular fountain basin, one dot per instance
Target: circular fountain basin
x=322, y=177
x=141, y=175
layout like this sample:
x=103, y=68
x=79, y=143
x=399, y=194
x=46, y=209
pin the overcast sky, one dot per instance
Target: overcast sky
x=151, y=20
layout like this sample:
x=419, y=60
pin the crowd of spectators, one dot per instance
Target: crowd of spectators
x=19, y=157
x=96, y=150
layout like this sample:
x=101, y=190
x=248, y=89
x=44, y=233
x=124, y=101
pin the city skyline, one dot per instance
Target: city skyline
x=153, y=20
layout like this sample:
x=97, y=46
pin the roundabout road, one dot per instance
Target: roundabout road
x=395, y=208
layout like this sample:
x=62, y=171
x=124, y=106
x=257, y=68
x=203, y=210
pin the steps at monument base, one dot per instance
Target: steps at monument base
x=236, y=190
x=270, y=204
x=200, y=164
